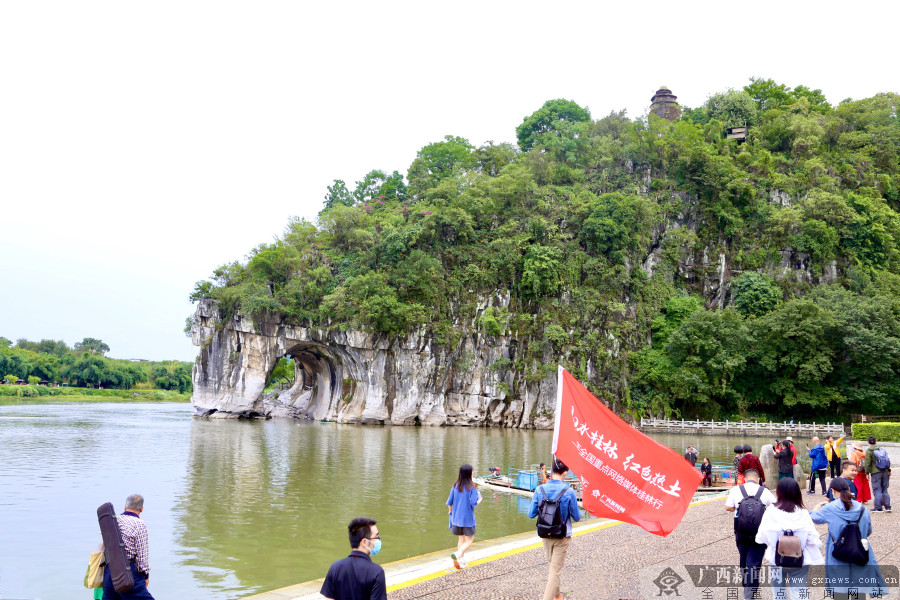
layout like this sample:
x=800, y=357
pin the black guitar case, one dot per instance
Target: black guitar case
x=119, y=567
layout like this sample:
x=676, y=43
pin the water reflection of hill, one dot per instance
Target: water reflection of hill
x=266, y=503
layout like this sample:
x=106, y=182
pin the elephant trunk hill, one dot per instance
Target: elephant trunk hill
x=740, y=259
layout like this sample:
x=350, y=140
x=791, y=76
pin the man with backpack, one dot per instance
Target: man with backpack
x=878, y=466
x=556, y=506
x=748, y=502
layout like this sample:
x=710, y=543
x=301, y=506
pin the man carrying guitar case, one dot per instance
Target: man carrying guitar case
x=127, y=571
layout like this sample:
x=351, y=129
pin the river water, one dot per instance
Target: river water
x=239, y=507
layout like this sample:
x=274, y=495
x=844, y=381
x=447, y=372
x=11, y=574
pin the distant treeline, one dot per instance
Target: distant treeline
x=84, y=365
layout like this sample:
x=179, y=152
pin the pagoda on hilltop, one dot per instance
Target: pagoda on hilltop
x=664, y=104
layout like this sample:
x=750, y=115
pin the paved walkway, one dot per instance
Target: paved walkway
x=607, y=559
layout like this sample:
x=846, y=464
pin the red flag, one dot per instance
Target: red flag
x=625, y=475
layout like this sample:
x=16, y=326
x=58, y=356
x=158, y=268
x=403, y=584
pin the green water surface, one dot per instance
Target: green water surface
x=238, y=507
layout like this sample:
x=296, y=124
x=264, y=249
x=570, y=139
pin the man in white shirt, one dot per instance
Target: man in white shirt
x=750, y=552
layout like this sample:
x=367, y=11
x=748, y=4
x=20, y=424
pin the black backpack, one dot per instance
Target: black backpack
x=549, y=519
x=849, y=547
x=749, y=513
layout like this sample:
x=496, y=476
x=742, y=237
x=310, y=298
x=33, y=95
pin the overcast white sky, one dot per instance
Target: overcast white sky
x=144, y=144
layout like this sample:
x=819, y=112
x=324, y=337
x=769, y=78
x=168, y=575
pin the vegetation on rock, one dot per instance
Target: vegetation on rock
x=674, y=271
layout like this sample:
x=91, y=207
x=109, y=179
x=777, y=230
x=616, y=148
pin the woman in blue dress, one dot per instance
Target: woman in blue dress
x=464, y=497
x=837, y=513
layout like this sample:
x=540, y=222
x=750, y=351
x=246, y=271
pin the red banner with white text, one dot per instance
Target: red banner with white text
x=625, y=475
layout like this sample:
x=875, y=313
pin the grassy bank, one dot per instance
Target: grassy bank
x=39, y=394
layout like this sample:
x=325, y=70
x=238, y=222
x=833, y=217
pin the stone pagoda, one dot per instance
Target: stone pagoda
x=664, y=104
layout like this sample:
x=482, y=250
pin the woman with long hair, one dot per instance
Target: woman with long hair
x=837, y=514
x=863, y=489
x=464, y=497
x=788, y=514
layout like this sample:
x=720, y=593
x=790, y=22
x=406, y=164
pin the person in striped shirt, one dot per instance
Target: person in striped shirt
x=137, y=551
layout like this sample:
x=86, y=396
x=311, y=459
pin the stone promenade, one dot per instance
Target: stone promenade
x=607, y=559
x=621, y=561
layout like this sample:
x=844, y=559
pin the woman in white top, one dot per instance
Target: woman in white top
x=788, y=514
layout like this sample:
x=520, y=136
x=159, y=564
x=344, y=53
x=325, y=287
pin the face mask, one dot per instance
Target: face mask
x=376, y=547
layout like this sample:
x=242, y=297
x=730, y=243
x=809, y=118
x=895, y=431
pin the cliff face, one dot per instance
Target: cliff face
x=356, y=377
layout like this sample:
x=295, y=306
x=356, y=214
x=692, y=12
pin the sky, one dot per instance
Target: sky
x=143, y=144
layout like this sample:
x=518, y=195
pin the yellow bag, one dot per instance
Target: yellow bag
x=93, y=578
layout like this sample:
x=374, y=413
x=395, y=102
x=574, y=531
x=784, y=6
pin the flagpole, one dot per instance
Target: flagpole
x=559, y=392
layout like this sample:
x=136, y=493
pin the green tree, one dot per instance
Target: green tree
x=867, y=373
x=92, y=345
x=338, y=194
x=491, y=158
x=439, y=161
x=11, y=379
x=548, y=120
x=732, y=108
x=617, y=224
x=283, y=371
x=767, y=94
x=755, y=294
x=57, y=348
x=795, y=354
x=708, y=352
x=377, y=184
x=541, y=271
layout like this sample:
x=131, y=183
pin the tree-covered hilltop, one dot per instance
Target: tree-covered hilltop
x=672, y=269
x=85, y=365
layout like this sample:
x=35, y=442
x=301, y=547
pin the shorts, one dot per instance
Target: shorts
x=462, y=530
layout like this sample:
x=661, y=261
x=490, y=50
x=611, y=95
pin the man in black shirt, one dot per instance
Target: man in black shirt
x=357, y=577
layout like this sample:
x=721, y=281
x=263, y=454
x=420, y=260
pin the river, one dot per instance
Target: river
x=239, y=507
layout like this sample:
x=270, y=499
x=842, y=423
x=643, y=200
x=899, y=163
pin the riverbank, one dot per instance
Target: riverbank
x=607, y=559
x=27, y=394
x=433, y=575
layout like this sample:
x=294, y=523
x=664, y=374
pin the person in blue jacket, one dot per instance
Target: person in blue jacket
x=819, y=464
x=464, y=497
x=866, y=578
x=556, y=549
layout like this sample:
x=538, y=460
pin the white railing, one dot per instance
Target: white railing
x=745, y=426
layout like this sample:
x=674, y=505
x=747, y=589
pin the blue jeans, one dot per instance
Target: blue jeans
x=138, y=592
x=751, y=555
x=880, y=483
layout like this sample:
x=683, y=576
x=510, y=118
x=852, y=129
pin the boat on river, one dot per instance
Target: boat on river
x=520, y=481
x=721, y=478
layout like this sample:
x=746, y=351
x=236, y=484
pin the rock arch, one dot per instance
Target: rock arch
x=324, y=379
x=357, y=377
